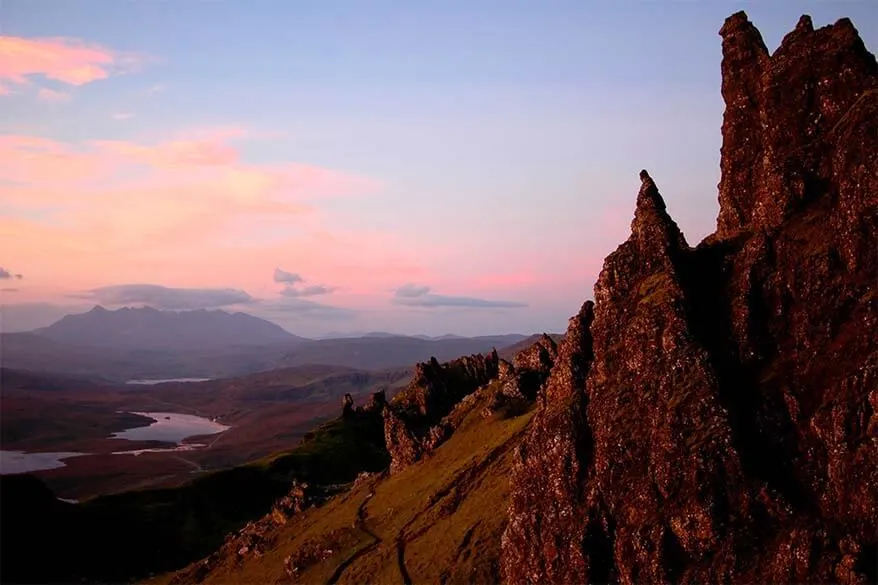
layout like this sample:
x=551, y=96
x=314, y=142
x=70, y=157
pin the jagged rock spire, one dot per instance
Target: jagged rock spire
x=780, y=113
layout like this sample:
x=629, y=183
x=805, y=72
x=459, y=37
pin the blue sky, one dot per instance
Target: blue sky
x=505, y=138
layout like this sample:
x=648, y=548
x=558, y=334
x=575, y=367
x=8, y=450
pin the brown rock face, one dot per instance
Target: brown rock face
x=785, y=115
x=520, y=383
x=718, y=421
x=551, y=462
x=533, y=366
x=413, y=422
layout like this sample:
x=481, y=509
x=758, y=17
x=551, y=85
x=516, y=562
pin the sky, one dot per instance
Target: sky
x=455, y=166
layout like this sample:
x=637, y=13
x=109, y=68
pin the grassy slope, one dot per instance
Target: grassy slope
x=437, y=521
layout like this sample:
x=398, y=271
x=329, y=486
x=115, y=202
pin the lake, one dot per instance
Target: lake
x=22, y=462
x=165, y=381
x=171, y=427
x=167, y=427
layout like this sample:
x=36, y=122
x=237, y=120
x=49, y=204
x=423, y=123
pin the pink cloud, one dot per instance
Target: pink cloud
x=177, y=153
x=40, y=162
x=69, y=61
x=186, y=211
x=4, y=90
x=53, y=97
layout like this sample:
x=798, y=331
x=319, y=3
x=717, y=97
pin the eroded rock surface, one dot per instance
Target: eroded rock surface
x=723, y=427
x=532, y=367
x=413, y=420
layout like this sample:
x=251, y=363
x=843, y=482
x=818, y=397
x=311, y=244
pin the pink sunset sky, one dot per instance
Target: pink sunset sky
x=421, y=169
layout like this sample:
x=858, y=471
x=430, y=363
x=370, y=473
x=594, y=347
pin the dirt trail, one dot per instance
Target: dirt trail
x=360, y=524
x=458, y=487
x=450, y=496
x=198, y=468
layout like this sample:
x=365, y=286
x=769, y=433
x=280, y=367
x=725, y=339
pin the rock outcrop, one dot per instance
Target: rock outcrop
x=792, y=119
x=377, y=402
x=532, y=367
x=714, y=417
x=256, y=537
x=413, y=424
x=520, y=381
x=347, y=406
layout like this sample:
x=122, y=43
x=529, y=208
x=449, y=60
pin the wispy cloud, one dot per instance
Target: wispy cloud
x=412, y=291
x=122, y=116
x=53, y=97
x=162, y=297
x=65, y=60
x=308, y=291
x=282, y=276
x=6, y=275
x=291, y=279
x=420, y=296
x=303, y=309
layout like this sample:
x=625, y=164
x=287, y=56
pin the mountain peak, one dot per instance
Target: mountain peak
x=782, y=116
x=150, y=328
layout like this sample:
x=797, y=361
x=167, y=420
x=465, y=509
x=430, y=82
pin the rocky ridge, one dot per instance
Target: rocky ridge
x=427, y=411
x=717, y=418
x=413, y=424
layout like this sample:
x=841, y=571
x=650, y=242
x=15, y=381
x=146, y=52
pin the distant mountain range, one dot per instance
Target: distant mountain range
x=148, y=328
x=130, y=343
x=385, y=334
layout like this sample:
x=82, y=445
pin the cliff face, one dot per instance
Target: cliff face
x=792, y=120
x=714, y=418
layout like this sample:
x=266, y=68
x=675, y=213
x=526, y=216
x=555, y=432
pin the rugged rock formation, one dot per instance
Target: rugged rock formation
x=377, y=402
x=724, y=427
x=792, y=120
x=412, y=421
x=347, y=406
x=255, y=537
x=533, y=366
x=550, y=464
x=520, y=383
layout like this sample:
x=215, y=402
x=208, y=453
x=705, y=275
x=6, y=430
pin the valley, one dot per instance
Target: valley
x=263, y=413
x=74, y=386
